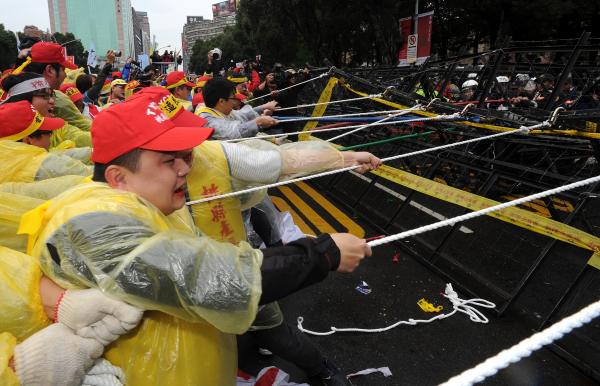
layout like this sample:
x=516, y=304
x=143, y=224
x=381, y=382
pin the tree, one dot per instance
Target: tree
x=8, y=48
x=74, y=47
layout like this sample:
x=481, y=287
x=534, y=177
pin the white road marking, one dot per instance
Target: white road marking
x=414, y=204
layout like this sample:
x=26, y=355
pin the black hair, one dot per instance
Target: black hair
x=38, y=133
x=12, y=80
x=84, y=82
x=129, y=161
x=39, y=68
x=215, y=89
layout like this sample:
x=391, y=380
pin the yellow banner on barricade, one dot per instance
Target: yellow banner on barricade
x=319, y=110
x=486, y=126
x=513, y=215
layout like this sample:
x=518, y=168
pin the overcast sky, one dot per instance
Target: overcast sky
x=167, y=17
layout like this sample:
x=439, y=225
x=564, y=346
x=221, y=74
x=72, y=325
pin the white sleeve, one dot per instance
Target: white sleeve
x=246, y=163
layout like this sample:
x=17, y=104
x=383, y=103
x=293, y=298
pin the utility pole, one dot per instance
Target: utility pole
x=416, y=23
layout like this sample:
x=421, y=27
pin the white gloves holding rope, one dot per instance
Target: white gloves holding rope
x=67, y=353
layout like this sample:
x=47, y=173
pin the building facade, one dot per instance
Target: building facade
x=141, y=32
x=105, y=24
x=198, y=28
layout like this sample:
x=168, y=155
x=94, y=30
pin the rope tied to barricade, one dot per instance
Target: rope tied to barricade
x=526, y=347
x=294, y=85
x=522, y=129
x=441, y=117
x=459, y=305
x=330, y=102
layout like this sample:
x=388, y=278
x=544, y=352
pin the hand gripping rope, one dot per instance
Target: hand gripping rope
x=524, y=348
x=335, y=171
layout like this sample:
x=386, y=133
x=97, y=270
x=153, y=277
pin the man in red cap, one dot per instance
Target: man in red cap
x=25, y=136
x=127, y=236
x=70, y=90
x=179, y=85
x=48, y=60
x=21, y=122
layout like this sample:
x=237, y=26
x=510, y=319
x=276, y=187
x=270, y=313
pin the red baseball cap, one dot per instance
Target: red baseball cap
x=20, y=119
x=171, y=106
x=140, y=122
x=198, y=98
x=176, y=79
x=116, y=74
x=71, y=91
x=201, y=81
x=45, y=52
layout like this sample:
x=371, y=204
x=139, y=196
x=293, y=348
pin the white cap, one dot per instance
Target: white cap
x=470, y=83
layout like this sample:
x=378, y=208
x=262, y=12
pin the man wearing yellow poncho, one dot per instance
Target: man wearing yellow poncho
x=128, y=237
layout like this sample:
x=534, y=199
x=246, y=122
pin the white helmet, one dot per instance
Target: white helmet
x=470, y=83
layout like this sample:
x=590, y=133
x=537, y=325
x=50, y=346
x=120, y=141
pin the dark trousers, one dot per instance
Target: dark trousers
x=290, y=344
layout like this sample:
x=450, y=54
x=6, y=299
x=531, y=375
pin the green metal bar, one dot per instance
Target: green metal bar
x=387, y=140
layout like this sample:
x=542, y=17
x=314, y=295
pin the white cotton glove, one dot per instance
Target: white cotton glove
x=104, y=373
x=55, y=356
x=91, y=314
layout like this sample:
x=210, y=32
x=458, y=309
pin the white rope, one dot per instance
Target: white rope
x=524, y=348
x=312, y=132
x=436, y=118
x=292, y=86
x=331, y=102
x=481, y=212
x=303, y=119
x=330, y=172
x=466, y=307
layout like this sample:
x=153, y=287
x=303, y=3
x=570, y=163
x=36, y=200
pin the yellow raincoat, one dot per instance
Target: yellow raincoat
x=26, y=163
x=7, y=348
x=65, y=108
x=96, y=236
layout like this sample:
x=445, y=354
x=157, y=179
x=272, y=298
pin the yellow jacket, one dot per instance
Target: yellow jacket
x=96, y=236
x=26, y=163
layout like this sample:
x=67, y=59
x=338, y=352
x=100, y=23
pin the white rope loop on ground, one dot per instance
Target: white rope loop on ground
x=478, y=213
x=466, y=307
x=524, y=348
x=292, y=86
x=390, y=116
x=330, y=102
x=330, y=172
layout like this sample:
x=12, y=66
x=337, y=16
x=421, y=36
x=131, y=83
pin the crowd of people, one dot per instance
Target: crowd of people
x=106, y=273
x=521, y=91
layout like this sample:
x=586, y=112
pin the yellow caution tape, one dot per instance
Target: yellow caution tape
x=319, y=110
x=514, y=215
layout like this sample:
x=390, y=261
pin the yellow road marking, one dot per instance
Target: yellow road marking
x=304, y=208
x=283, y=206
x=340, y=216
